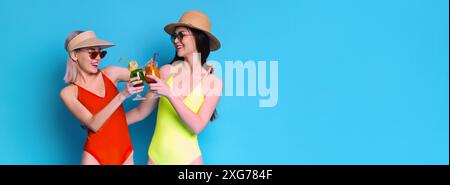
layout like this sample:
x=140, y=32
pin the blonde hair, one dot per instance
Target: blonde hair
x=71, y=68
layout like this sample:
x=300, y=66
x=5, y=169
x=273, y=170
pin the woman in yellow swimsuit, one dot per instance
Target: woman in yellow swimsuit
x=188, y=93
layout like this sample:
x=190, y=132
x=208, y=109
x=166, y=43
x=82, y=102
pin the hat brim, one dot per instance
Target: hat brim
x=94, y=42
x=214, y=43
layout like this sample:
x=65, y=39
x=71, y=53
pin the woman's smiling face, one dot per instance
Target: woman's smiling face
x=84, y=59
x=184, y=42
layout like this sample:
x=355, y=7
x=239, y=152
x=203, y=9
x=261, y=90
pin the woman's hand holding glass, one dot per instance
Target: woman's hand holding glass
x=132, y=87
x=159, y=87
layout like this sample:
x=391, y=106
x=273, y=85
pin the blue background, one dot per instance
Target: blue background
x=360, y=82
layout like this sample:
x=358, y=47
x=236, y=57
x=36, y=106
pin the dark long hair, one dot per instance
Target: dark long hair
x=202, y=44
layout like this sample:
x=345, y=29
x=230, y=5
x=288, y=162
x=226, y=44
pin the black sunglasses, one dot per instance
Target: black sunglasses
x=178, y=36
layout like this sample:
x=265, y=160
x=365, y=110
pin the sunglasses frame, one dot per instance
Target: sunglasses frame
x=180, y=35
x=93, y=54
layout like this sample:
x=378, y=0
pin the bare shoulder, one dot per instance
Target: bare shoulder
x=68, y=92
x=165, y=71
x=213, y=85
x=114, y=70
x=116, y=73
x=110, y=70
x=216, y=80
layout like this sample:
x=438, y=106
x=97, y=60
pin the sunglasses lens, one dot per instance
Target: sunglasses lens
x=93, y=55
x=172, y=37
x=103, y=54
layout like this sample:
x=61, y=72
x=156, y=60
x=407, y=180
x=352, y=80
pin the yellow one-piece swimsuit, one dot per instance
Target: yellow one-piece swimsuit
x=173, y=142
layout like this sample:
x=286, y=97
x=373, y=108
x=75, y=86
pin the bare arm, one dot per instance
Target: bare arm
x=94, y=122
x=195, y=121
x=117, y=74
x=143, y=110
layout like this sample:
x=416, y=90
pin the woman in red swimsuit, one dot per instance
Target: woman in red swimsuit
x=94, y=99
